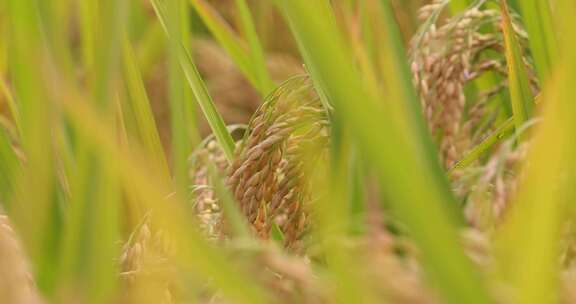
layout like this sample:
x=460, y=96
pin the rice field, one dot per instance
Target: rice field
x=287, y=151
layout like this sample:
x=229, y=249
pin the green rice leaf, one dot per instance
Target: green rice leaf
x=543, y=41
x=250, y=60
x=32, y=211
x=478, y=151
x=9, y=168
x=140, y=108
x=458, y=6
x=265, y=83
x=206, y=104
x=199, y=89
x=88, y=15
x=334, y=220
x=521, y=95
x=404, y=101
x=179, y=94
x=150, y=48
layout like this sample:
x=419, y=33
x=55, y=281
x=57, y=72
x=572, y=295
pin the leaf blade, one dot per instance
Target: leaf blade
x=521, y=95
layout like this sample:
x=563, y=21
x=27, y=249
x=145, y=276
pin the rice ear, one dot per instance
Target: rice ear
x=147, y=266
x=448, y=56
x=267, y=176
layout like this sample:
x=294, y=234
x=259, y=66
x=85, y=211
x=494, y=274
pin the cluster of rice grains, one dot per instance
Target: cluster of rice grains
x=489, y=188
x=147, y=269
x=447, y=55
x=268, y=175
x=206, y=204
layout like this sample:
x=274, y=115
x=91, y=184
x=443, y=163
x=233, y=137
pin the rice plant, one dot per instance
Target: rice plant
x=287, y=151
